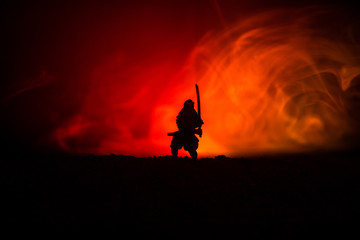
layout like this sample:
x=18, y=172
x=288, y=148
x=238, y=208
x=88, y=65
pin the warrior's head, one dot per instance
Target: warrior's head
x=189, y=104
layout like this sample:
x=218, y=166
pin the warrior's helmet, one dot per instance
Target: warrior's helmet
x=189, y=104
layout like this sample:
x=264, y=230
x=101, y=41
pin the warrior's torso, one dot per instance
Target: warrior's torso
x=187, y=120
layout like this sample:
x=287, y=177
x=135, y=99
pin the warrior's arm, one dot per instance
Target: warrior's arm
x=180, y=122
x=198, y=121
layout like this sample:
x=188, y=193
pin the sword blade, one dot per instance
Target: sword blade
x=198, y=100
x=199, y=110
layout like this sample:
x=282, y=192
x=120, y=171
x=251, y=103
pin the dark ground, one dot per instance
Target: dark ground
x=112, y=190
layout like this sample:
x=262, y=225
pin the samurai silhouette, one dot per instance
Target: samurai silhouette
x=189, y=123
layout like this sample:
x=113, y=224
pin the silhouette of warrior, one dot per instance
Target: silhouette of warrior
x=189, y=124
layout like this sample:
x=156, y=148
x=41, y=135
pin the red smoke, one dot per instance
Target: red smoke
x=279, y=81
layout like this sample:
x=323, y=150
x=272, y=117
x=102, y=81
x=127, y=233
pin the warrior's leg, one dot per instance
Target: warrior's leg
x=175, y=146
x=193, y=154
x=174, y=151
x=192, y=145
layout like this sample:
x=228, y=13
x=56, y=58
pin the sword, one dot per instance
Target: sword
x=199, y=110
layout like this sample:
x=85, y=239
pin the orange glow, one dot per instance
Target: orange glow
x=274, y=82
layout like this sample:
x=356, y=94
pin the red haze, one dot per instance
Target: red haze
x=116, y=77
x=272, y=82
